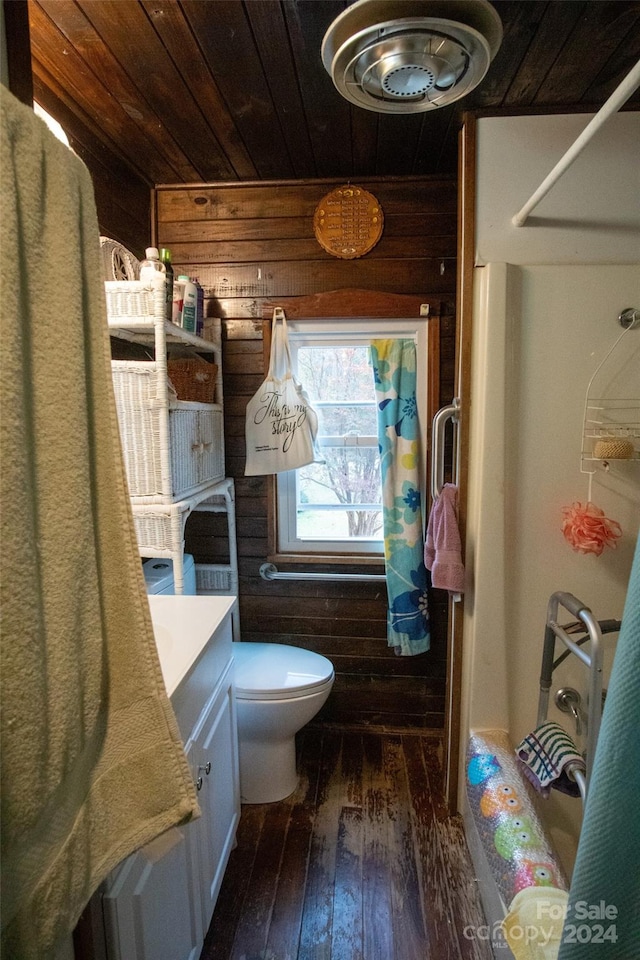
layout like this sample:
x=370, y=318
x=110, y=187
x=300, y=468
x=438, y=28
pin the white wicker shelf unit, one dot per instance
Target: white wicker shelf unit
x=173, y=449
x=221, y=578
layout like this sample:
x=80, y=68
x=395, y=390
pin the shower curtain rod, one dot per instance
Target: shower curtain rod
x=617, y=99
x=269, y=571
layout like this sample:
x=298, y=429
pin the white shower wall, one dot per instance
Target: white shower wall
x=540, y=331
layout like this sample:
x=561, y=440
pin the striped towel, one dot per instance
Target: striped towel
x=547, y=756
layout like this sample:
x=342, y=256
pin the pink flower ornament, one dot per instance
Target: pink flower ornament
x=587, y=530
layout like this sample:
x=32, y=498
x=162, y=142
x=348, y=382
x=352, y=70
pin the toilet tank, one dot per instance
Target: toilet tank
x=158, y=575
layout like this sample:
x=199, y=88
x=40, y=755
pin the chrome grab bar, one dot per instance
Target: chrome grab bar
x=452, y=413
x=269, y=571
x=579, y=778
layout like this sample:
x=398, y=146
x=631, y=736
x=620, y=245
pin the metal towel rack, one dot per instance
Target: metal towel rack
x=269, y=571
x=591, y=660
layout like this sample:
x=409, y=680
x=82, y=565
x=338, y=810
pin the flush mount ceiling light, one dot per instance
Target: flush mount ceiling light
x=406, y=56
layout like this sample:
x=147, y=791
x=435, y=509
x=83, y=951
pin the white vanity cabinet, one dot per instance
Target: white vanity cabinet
x=148, y=906
x=158, y=903
x=213, y=834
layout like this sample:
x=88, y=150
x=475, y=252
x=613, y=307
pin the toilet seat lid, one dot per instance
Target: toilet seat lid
x=270, y=670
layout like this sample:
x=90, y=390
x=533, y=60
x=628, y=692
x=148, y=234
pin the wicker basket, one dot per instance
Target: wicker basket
x=215, y=578
x=193, y=379
x=134, y=301
x=160, y=533
x=195, y=453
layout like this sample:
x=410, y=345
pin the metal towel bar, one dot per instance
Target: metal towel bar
x=591, y=660
x=269, y=571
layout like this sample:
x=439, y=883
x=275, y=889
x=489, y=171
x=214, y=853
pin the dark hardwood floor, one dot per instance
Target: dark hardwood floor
x=362, y=862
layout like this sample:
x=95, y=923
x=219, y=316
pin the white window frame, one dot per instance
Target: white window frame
x=349, y=332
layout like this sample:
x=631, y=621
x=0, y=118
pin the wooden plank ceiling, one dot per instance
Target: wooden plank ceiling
x=225, y=90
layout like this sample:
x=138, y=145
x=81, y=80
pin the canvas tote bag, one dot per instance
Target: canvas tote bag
x=281, y=425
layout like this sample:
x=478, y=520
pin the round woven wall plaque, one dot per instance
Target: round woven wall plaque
x=348, y=222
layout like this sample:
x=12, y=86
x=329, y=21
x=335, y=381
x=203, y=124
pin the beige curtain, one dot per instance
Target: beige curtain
x=92, y=762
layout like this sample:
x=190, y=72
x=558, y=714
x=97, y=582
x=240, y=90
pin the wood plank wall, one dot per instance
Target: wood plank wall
x=250, y=243
x=123, y=199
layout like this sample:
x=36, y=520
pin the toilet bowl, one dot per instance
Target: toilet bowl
x=278, y=689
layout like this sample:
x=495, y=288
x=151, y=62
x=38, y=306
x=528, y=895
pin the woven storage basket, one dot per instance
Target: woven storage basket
x=195, y=453
x=193, y=379
x=158, y=532
x=213, y=577
x=137, y=387
x=134, y=301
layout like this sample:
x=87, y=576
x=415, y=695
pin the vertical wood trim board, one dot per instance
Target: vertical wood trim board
x=464, y=331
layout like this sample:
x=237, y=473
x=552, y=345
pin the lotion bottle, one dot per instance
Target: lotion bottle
x=190, y=305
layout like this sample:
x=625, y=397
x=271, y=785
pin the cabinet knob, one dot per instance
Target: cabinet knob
x=207, y=767
x=199, y=783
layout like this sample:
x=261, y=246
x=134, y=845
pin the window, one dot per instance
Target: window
x=52, y=123
x=334, y=507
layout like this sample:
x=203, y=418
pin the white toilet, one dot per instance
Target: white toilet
x=278, y=689
x=158, y=575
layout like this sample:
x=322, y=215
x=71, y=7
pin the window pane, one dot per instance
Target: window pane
x=336, y=373
x=340, y=380
x=350, y=477
x=339, y=525
x=341, y=420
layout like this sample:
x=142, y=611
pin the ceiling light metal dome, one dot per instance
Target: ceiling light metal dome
x=407, y=56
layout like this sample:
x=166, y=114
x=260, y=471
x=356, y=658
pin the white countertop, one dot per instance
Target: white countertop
x=183, y=627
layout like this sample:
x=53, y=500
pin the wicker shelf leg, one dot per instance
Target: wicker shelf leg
x=178, y=523
x=222, y=500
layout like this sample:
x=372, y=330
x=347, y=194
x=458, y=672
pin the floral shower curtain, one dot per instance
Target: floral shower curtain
x=394, y=367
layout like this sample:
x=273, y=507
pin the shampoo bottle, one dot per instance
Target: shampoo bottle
x=200, y=307
x=190, y=304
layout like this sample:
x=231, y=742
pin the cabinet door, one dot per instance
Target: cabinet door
x=219, y=796
x=149, y=908
x=211, y=444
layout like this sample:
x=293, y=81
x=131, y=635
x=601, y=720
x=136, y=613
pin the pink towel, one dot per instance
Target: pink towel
x=442, y=548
